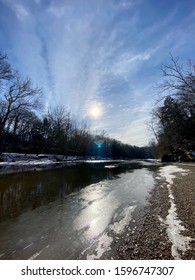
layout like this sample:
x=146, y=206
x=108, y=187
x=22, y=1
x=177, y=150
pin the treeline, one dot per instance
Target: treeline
x=173, y=119
x=24, y=129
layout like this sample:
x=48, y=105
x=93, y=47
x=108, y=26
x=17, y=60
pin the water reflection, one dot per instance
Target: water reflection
x=19, y=192
x=79, y=212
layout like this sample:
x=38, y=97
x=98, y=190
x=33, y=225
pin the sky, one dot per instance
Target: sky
x=100, y=59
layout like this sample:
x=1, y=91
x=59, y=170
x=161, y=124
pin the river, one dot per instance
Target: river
x=75, y=212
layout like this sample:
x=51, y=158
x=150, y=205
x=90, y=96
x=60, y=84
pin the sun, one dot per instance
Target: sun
x=95, y=110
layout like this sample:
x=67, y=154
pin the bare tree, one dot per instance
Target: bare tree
x=179, y=81
x=173, y=119
x=152, y=125
x=58, y=116
x=6, y=72
x=19, y=96
x=58, y=125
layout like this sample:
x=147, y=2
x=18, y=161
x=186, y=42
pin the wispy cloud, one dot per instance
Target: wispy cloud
x=136, y=133
x=19, y=9
x=107, y=52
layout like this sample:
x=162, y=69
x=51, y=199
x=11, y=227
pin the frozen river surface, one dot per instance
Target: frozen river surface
x=78, y=212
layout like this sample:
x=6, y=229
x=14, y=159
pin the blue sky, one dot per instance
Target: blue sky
x=99, y=58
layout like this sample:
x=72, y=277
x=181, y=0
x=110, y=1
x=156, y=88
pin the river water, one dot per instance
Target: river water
x=76, y=212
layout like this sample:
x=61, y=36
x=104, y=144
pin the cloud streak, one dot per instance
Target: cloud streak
x=107, y=52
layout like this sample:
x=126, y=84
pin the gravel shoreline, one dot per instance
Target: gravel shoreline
x=151, y=240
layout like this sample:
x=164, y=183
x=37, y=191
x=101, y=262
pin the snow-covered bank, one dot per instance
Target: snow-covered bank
x=17, y=157
x=180, y=243
x=15, y=162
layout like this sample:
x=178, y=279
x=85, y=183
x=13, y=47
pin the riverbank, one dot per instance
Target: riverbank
x=167, y=226
x=16, y=163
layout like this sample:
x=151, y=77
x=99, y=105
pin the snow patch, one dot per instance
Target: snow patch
x=167, y=172
x=103, y=245
x=38, y=253
x=31, y=244
x=110, y=166
x=1, y=255
x=173, y=224
x=122, y=219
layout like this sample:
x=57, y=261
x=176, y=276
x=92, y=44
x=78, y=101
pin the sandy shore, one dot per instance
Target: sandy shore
x=167, y=225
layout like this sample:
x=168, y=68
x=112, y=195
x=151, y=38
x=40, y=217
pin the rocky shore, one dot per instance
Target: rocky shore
x=166, y=229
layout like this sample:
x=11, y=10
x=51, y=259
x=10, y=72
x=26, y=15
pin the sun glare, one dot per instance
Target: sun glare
x=95, y=110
